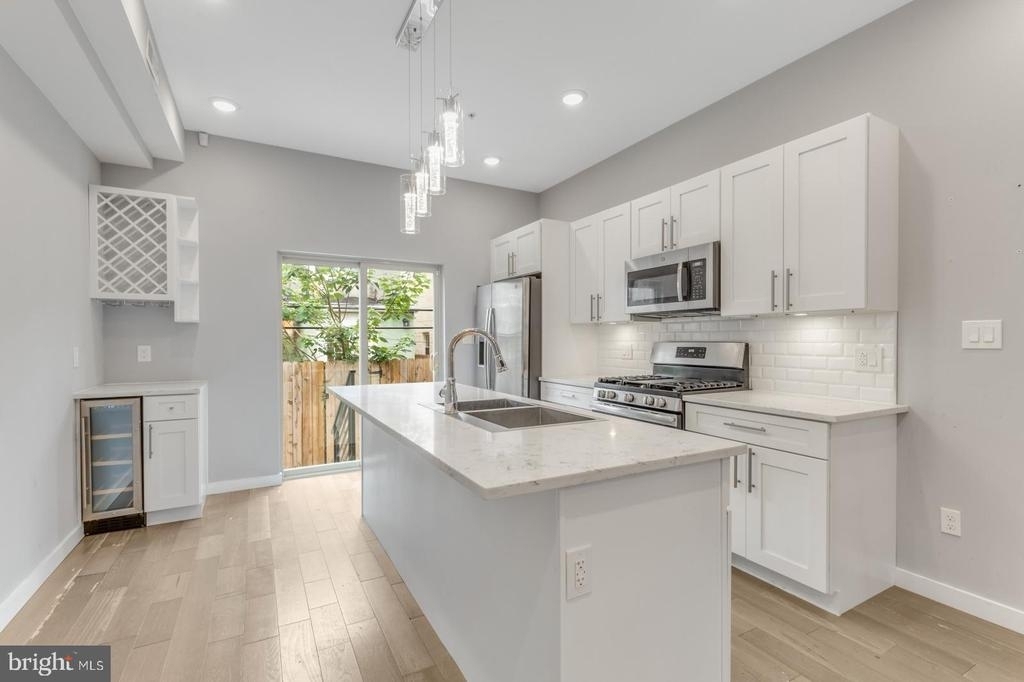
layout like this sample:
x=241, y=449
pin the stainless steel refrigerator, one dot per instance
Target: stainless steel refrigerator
x=511, y=311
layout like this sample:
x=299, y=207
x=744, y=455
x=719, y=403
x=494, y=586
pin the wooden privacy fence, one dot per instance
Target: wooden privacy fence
x=309, y=413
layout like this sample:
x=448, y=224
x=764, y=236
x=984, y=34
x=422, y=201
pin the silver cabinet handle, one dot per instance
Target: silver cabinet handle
x=568, y=395
x=735, y=471
x=151, y=441
x=591, y=307
x=760, y=429
x=789, y=281
x=663, y=226
x=672, y=232
x=775, y=276
x=750, y=472
x=513, y=262
x=508, y=263
x=599, y=307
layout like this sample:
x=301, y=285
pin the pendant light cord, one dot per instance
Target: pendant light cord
x=451, y=47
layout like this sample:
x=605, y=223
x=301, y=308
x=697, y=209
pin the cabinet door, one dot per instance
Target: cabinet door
x=614, y=246
x=696, y=211
x=649, y=217
x=826, y=218
x=171, y=464
x=584, y=270
x=787, y=515
x=526, y=256
x=738, y=489
x=501, y=257
x=752, y=235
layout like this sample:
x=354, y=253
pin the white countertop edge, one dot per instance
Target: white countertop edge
x=834, y=410
x=555, y=482
x=141, y=388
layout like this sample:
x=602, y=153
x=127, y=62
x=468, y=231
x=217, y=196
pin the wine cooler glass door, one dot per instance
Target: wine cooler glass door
x=111, y=465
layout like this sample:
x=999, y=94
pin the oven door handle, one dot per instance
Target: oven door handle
x=665, y=418
x=683, y=278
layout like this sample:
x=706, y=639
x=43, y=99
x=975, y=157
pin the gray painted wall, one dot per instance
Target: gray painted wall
x=949, y=73
x=255, y=201
x=45, y=171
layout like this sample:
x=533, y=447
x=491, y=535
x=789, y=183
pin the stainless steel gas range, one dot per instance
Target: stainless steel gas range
x=678, y=368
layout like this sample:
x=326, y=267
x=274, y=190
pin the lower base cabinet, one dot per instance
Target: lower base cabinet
x=819, y=524
x=171, y=464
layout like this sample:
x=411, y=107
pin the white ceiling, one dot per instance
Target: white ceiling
x=325, y=76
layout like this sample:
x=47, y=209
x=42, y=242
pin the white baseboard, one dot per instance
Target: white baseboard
x=968, y=602
x=21, y=594
x=230, y=486
x=321, y=469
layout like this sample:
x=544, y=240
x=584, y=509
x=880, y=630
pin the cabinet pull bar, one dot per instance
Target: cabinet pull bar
x=599, y=307
x=151, y=441
x=735, y=471
x=789, y=281
x=750, y=472
x=734, y=425
x=591, y=307
x=672, y=232
x=663, y=225
x=775, y=276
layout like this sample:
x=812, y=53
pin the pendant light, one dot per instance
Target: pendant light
x=434, y=154
x=451, y=109
x=410, y=225
x=420, y=169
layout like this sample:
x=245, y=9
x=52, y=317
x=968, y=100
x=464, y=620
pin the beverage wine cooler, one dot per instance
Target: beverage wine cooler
x=111, y=456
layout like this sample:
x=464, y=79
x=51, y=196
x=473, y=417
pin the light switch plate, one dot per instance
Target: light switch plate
x=145, y=353
x=982, y=334
x=75, y=360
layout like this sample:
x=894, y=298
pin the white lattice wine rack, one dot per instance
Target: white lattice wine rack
x=145, y=248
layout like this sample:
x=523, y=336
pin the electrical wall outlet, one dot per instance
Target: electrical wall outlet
x=627, y=353
x=867, y=358
x=145, y=353
x=950, y=521
x=577, y=572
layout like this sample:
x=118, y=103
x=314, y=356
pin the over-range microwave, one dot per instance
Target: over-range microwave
x=674, y=283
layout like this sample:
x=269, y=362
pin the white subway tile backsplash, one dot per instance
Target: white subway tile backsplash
x=808, y=355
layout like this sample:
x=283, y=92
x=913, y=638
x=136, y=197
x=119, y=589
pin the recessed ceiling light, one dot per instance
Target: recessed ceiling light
x=492, y=160
x=224, y=105
x=573, y=98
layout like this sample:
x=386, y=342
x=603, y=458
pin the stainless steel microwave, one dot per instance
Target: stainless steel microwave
x=674, y=283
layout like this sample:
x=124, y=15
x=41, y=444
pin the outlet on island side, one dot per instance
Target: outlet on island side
x=577, y=572
x=949, y=520
x=145, y=353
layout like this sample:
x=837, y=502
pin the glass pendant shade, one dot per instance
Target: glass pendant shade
x=452, y=132
x=409, y=223
x=435, y=164
x=421, y=181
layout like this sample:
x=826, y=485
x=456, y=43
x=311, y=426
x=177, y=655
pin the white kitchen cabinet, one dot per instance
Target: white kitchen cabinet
x=517, y=253
x=816, y=519
x=566, y=394
x=812, y=226
x=649, y=219
x=144, y=247
x=171, y=464
x=841, y=217
x=752, y=228
x=787, y=515
x=597, y=266
x=696, y=211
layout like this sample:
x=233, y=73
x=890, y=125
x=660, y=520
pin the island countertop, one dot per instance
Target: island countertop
x=515, y=462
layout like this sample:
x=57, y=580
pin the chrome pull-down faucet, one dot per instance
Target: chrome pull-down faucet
x=448, y=392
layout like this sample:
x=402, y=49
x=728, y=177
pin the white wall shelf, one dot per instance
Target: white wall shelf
x=145, y=249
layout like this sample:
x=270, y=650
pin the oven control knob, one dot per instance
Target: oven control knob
x=601, y=394
x=629, y=397
x=662, y=402
x=649, y=400
x=610, y=395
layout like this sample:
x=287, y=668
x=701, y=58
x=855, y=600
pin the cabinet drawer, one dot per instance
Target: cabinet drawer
x=782, y=433
x=563, y=394
x=158, y=408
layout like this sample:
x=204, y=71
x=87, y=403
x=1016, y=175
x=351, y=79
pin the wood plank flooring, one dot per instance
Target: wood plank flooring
x=288, y=583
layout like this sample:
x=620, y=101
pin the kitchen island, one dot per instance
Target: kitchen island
x=479, y=522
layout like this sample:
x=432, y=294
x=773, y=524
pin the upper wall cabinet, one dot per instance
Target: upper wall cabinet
x=145, y=247
x=597, y=266
x=812, y=226
x=517, y=253
x=686, y=214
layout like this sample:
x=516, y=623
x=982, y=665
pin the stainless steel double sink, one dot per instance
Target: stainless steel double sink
x=501, y=414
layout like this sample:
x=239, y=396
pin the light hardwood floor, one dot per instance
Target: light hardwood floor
x=288, y=584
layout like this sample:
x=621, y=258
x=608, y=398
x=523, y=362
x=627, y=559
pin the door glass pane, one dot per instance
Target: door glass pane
x=653, y=285
x=111, y=448
x=400, y=326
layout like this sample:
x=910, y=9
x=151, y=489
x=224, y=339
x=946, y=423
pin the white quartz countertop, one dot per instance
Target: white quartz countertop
x=141, y=389
x=582, y=380
x=508, y=463
x=832, y=410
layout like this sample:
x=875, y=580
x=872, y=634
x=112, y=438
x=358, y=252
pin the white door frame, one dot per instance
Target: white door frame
x=364, y=265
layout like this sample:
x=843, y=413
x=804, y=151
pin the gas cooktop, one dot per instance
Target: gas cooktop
x=664, y=382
